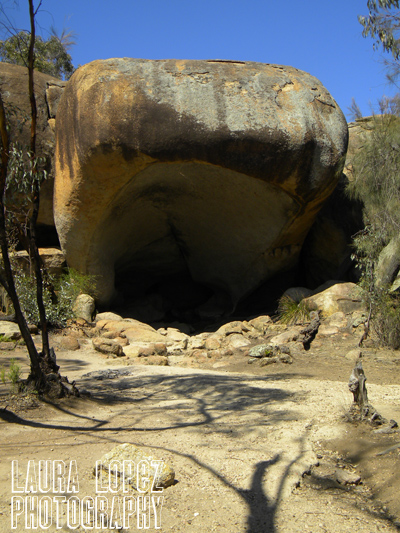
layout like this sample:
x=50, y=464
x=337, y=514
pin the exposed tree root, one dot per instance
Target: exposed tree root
x=51, y=383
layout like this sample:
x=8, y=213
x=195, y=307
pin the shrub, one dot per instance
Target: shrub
x=58, y=310
x=291, y=312
x=14, y=372
x=376, y=172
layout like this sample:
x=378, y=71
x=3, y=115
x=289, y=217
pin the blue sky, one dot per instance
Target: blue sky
x=322, y=37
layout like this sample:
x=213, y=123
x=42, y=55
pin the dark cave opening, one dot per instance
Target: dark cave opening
x=163, y=298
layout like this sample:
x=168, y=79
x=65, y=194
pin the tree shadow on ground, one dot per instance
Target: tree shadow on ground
x=195, y=401
x=158, y=403
x=182, y=401
x=262, y=508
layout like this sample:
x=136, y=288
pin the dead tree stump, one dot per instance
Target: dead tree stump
x=310, y=331
x=361, y=408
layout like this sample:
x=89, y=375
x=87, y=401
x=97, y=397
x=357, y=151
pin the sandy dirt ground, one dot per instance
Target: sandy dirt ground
x=254, y=449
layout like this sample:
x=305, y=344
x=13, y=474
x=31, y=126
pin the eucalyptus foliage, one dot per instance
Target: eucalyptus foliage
x=383, y=24
x=376, y=177
x=376, y=182
x=51, y=55
x=59, y=310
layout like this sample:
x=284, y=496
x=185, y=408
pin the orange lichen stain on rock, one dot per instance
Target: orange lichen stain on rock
x=180, y=65
x=66, y=179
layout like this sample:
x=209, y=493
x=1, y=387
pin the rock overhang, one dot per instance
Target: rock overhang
x=209, y=168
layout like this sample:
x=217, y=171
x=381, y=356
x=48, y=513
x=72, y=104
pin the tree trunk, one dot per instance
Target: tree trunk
x=6, y=277
x=33, y=250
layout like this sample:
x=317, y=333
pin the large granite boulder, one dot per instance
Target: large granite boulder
x=14, y=90
x=201, y=175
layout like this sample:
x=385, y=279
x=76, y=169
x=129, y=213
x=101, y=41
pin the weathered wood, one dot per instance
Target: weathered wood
x=361, y=408
x=310, y=331
x=357, y=386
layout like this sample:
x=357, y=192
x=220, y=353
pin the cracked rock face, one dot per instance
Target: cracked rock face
x=193, y=178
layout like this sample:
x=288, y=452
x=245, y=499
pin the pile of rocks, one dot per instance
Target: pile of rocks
x=260, y=339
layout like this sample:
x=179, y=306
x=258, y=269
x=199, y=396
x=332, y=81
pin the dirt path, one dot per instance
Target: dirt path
x=239, y=439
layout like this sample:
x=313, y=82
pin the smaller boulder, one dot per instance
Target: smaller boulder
x=10, y=330
x=53, y=261
x=292, y=334
x=331, y=298
x=236, y=341
x=261, y=323
x=160, y=474
x=213, y=342
x=107, y=316
x=108, y=346
x=69, y=343
x=84, y=307
x=262, y=350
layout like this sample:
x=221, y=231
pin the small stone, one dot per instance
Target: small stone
x=213, y=342
x=109, y=334
x=160, y=348
x=237, y=341
x=284, y=348
x=230, y=328
x=129, y=452
x=132, y=351
x=292, y=334
x=285, y=358
x=347, y=478
x=268, y=361
x=261, y=350
x=197, y=342
x=261, y=323
x=69, y=343
x=146, y=351
x=107, y=346
x=175, y=346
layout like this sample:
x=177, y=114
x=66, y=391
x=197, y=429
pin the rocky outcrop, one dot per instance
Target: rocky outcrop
x=52, y=258
x=14, y=90
x=388, y=264
x=327, y=250
x=203, y=176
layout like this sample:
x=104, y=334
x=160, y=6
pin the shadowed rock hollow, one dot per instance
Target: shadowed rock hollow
x=195, y=181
